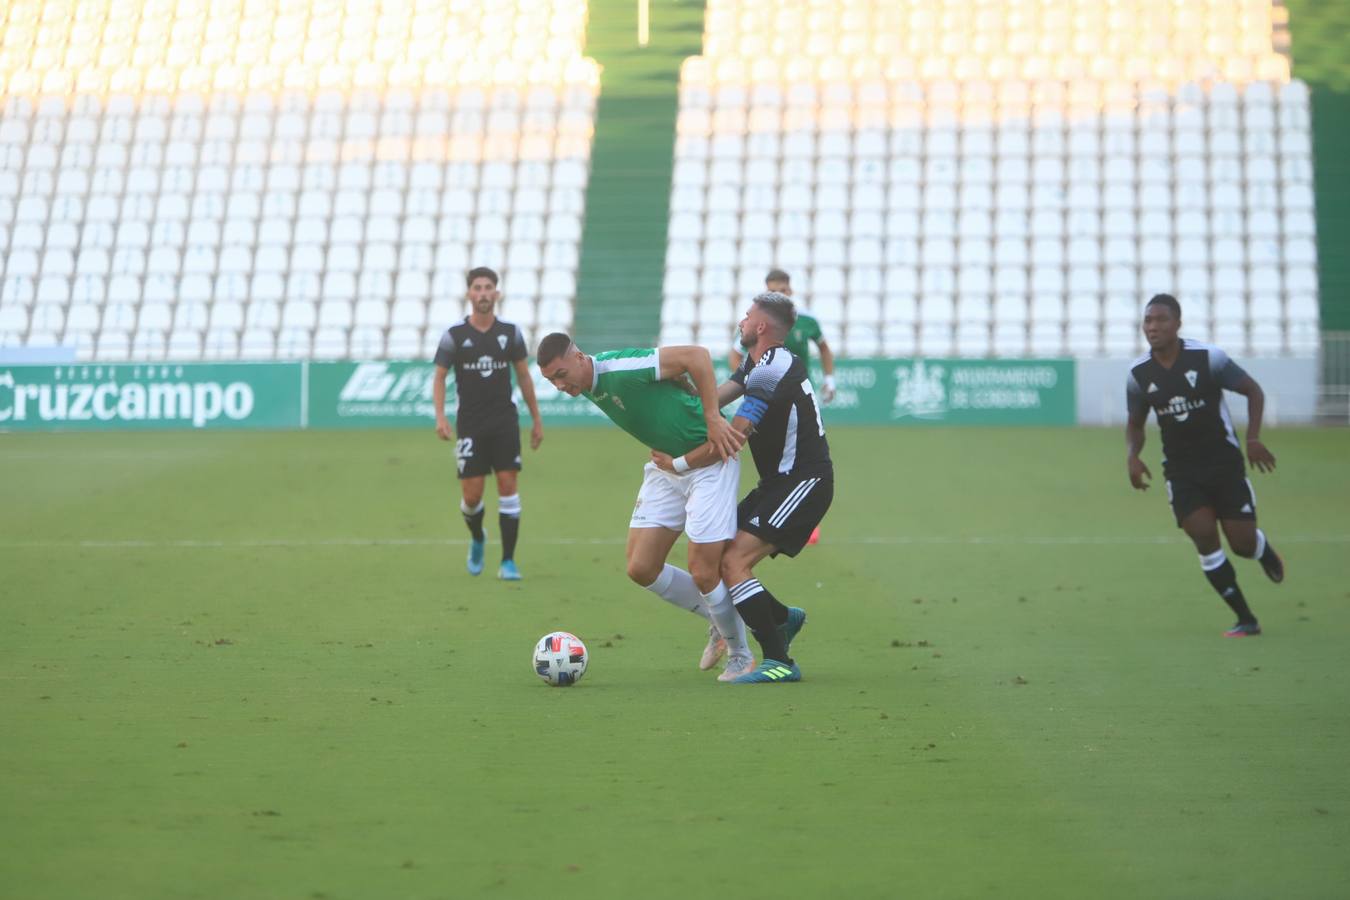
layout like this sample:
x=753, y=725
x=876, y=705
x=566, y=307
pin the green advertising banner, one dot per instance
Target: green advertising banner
x=147, y=396
x=952, y=392
x=397, y=394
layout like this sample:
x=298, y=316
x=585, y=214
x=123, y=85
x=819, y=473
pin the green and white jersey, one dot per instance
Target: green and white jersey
x=806, y=330
x=663, y=415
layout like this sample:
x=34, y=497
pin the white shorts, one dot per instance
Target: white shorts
x=701, y=502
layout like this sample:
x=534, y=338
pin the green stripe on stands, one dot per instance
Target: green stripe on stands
x=623, y=245
x=1318, y=32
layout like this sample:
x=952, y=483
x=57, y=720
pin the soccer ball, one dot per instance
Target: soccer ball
x=560, y=658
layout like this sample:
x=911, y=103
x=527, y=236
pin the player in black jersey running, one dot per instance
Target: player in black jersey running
x=481, y=350
x=782, y=422
x=1183, y=381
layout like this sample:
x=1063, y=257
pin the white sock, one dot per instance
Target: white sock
x=676, y=586
x=727, y=620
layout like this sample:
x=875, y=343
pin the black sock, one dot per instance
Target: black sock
x=510, y=526
x=1268, y=556
x=474, y=519
x=759, y=610
x=508, y=519
x=1220, y=573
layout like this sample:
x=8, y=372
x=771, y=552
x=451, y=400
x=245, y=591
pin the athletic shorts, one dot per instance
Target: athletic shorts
x=1226, y=490
x=700, y=502
x=491, y=450
x=785, y=511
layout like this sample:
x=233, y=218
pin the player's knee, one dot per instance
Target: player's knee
x=642, y=572
x=705, y=575
x=1243, y=546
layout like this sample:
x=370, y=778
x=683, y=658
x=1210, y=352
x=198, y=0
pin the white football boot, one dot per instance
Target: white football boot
x=737, y=666
x=716, y=649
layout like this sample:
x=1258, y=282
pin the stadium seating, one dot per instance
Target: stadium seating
x=974, y=178
x=187, y=180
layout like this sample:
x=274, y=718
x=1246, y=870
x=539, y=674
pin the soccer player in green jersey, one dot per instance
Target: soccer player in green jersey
x=805, y=331
x=647, y=393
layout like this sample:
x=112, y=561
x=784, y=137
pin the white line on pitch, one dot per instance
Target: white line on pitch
x=895, y=540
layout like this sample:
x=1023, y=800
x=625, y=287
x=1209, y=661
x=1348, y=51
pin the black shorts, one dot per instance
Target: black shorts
x=1225, y=490
x=490, y=450
x=785, y=511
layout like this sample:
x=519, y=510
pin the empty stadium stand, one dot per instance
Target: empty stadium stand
x=963, y=178
x=269, y=179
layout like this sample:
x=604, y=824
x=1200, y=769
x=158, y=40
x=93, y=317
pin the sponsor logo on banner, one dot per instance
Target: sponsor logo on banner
x=382, y=389
x=983, y=391
x=919, y=391
x=131, y=396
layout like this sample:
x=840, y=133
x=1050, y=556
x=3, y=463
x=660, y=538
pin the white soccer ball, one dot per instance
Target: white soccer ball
x=560, y=658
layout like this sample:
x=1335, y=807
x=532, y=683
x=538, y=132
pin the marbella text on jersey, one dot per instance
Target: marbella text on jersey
x=1180, y=407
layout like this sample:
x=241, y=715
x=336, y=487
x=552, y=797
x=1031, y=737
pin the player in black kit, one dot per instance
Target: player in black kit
x=1183, y=381
x=781, y=419
x=481, y=349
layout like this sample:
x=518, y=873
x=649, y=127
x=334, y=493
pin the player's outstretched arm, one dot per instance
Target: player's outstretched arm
x=696, y=362
x=527, y=391
x=728, y=391
x=705, y=455
x=444, y=431
x=1258, y=457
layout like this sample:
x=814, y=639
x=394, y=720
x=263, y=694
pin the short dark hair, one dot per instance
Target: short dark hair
x=779, y=307
x=552, y=347
x=778, y=275
x=480, y=272
x=1166, y=300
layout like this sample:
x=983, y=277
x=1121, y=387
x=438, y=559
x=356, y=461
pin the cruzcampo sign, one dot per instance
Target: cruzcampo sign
x=89, y=397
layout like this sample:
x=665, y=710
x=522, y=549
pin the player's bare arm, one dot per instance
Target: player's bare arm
x=696, y=362
x=527, y=391
x=728, y=391
x=826, y=366
x=1258, y=457
x=444, y=430
x=1134, y=444
x=702, y=456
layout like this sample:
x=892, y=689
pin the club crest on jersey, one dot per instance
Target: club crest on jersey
x=501, y=341
x=467, y=343
x=1152, y=388
x=1191, y=376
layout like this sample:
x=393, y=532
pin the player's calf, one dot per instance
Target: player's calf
x=1223, y=579
x=1271, y=562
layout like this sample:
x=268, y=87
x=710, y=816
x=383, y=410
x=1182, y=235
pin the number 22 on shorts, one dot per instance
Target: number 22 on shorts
x=463, y=451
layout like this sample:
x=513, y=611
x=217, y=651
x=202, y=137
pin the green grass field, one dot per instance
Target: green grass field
x=252, y=665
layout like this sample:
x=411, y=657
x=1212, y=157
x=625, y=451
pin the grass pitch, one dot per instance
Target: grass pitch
x=252, y=665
